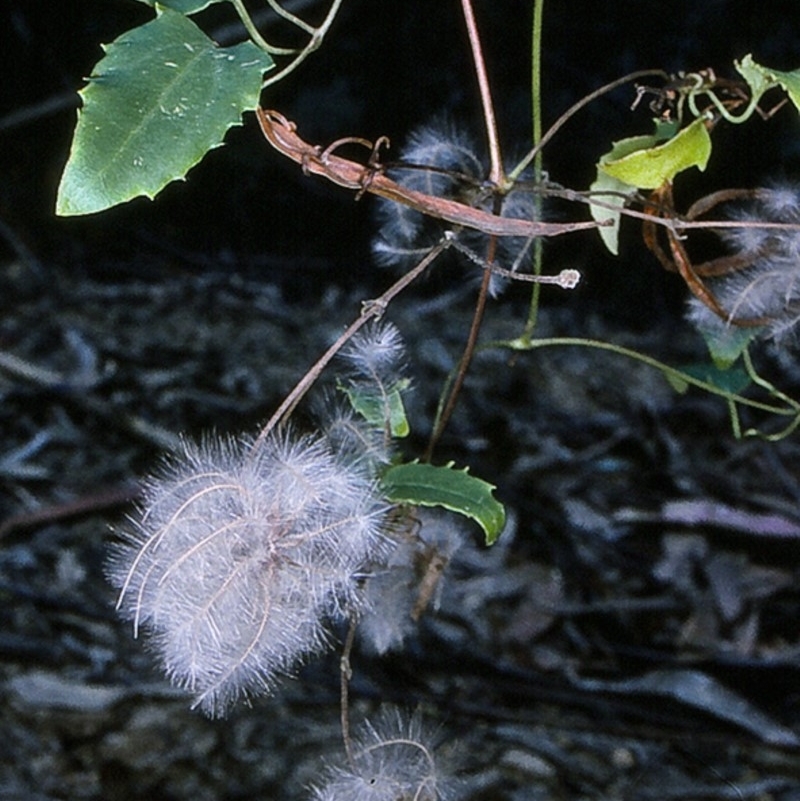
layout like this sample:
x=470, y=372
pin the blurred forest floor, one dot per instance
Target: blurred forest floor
x=632, y=636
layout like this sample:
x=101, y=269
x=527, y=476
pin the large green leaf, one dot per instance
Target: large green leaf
x=651, y=167
x=426, y=485
x=162, y=96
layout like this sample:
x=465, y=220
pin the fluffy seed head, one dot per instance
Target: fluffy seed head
x=392, y=759
x=239, y=555
x=455, y=171
x=770, y=287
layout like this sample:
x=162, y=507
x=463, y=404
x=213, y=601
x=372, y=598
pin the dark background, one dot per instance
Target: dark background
x=385, y=68
x=199, y=311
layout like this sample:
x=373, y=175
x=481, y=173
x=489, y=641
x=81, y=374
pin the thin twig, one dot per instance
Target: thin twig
x=315, y=41
x=373, y=308
x=282, y=135
x=572, y=110
x=255, y=34
x=345, y=674
x=466, y=358
x=496, y=171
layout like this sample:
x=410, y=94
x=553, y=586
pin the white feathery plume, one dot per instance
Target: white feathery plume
x=393, y=759
x=405, y=234
x=769, y=288
x=239, y=556
x=398, y=592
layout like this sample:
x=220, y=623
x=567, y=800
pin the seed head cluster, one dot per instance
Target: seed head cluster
x=443, y=161
x=393, y=759
x=768, y=288
x=242, y=552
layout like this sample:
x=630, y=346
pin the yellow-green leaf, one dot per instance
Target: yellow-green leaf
x=613, y=192
x=651, y=167
x=762, y=78
x=379, y=410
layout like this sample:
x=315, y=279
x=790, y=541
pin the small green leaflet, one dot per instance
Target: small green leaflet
x=762, y=78
x=652, y=167
x=732, y=380
x=605, y=183
x=375, y=408
x=162, y=96
x=453, y=489
x=727, y=342
x=184, y=6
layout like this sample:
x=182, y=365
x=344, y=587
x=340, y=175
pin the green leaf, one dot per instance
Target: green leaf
x=758, y=78
x=373, y=407
x=729, y=379
x=679, y=384
x=726, y=343
x=651, y=167
x=621, y=191
x=162, y=96
x=425, y=485
x=183, y=6
x=762, y=78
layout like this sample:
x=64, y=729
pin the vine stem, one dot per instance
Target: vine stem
x=496, y=171
x=466, y=357
x=372, y=308
x=255, y=34
x=536, y=106
x=576, y=107
x=345, y=674
x=791, y=408
x=498, y=178
x=317, y=35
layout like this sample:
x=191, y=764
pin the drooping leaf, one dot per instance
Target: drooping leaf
x=374, y=408
x=650, y=167
x=162, y=96
x=453, y=489
x=618, y=191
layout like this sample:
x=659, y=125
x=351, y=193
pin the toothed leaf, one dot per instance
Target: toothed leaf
x=448, y=487
x=162, y=96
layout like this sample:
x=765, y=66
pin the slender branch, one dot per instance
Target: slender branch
x=572, y=110
x=315, y=41
x=373, y=308
x=496, y=171
x=345, y=674
x=536, y=104
x=792, y=407
x=466, y=358
x=289, y=17
x=282, y=135
x=255, y=34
